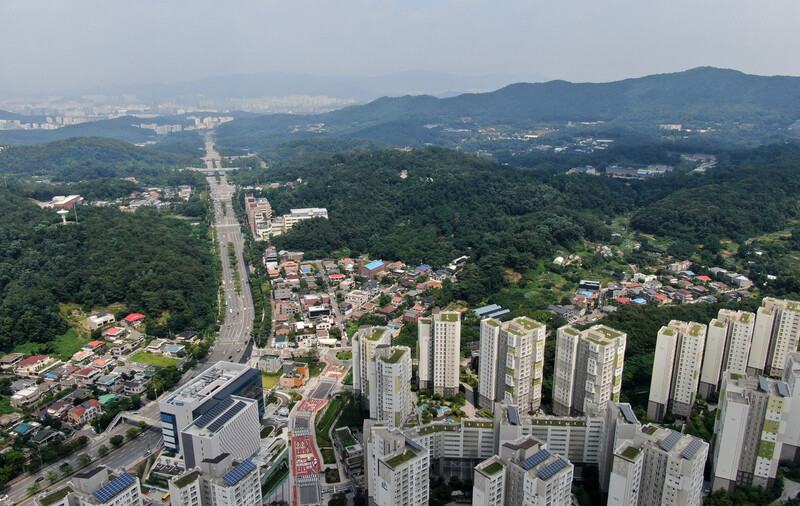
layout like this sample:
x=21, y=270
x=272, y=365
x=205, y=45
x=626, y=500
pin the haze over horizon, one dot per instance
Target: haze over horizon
x=55, y=46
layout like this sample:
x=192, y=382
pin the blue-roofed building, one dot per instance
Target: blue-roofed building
x=639, y=301
x=371, y=269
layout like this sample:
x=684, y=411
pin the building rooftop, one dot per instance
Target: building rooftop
x=207, y=384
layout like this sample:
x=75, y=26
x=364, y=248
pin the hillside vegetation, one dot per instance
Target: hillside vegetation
x=155, y=265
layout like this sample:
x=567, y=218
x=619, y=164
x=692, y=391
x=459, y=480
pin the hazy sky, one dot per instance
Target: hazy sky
x=62, y=44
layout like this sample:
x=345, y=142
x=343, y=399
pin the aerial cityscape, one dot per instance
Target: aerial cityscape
x=441, y=253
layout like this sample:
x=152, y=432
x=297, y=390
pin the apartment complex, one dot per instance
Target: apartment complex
x=204, y=393
x=511, y=365
x=676, y=369
x=232, y=427
x=389, y=384
x=217, y=481
x=785, y=332
x=525, y=472
x=397, y=468
x=259, y=214
x=658, y=467
x=440, y=352
x=588, y=368
x=297, y=215
x=364, y=343
x=95, y=487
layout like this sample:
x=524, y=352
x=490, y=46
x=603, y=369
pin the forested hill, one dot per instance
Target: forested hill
x=83, y=158
x=705, y=94
x=155, y=265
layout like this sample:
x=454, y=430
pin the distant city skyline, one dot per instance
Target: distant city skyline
x=52, y=46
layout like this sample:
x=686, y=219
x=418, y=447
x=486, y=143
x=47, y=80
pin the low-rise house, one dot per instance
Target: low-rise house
x=97, y=320
x=58, y=408
x=7, y=421
x=104, y=364
x=411, y=316
x=24, y=429
x=269, y=363
x=31, y=366
x=84, y=412
x=295, y=374
x=97, y=347
x=25, y=398
x=134, y=318
x=115, y=332
x=106, y=382
x=87, y=376
x=172, y=350
x=187, y=335
x=156, y=345
x=44, y=436
x=134, y=386
x=10, y=360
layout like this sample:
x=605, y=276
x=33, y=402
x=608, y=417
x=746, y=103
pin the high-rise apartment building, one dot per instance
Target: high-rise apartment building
x=762, y=336
x=364, y=343
x=524, y=473
x=217, y=482
x=95, y=487
x=676, y=369
x=511, y=368
x=785, y=332
x=752, y=422
x=440, y=352
x=588, y=367
x=658, y=467
x=202, y=394
x=713, y=357
x=397, y=468
x=389, y=384
x=259, y=213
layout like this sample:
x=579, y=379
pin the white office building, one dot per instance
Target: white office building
x=95, y=487
x=440, y=352
x=217, y=482
x=232, y=427
x=389, y=372
x=676, y=369
x=511, y=363
x=588, y=368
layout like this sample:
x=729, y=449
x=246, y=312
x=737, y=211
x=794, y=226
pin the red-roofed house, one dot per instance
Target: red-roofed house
x=87, y=376
x=397, y=300
x=134, y=317
x=32, y=365
x=623, y=300
x=704, y=279
x=84, y=412
x=95, y=346
x=660, y=299
x=115, y=332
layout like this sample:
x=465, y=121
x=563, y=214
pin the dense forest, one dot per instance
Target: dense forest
x=85, y=158
x=156, y=265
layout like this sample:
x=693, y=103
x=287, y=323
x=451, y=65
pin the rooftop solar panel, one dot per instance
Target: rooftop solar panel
x=222, y=420
x=214, y=412
x=691, y=448
x=670, y=441
x=513, y=419
x=552, y=469
x=535, y=459
x=627, y=413
x=783, y=390
x=413, y=444
x=762, y=384
x=116, y=486
x=237, y=473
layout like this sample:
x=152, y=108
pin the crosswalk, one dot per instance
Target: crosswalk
x=311, y=479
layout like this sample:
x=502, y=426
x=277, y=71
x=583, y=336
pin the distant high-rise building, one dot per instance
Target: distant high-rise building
x=440, y=352
x=676, y=369
x=511, y=365
x=389, y=372
x=217, y=482
x=364, y=343
x=397, y=468
x=752, y=422
x=588, y=368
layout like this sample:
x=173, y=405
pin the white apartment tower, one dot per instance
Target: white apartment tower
x=397, y=468
x=513, y=363
x=753, y=422
x=364, y=343
x=588, y=368
x=762, y=336
x=728, y=348
x=524, y=473
x=389, y=385
x=440, y=352
x=785, y=333
x=676, y=369
x=658, y=467
x=216, y=482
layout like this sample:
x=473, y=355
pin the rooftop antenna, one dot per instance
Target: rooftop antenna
x=63, y=213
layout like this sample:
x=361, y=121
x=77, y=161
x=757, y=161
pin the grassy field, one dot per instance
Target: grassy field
x=148, y=358
x=5, y=405
x=268, y=381
x=64, y=345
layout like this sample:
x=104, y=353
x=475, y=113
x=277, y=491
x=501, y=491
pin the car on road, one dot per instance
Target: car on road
x=63, y=465
x=40, y=478
x=230, y=357
x=3, y=497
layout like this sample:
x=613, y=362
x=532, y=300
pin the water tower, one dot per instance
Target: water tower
x=63, y=213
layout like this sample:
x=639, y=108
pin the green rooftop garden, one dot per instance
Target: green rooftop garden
x=399, y=459
x=376, y=334
x=570, y=330
x=185, y=480
x=492, y=322
x=449, y=317
x=649, y=429
x=745, y=318
x=528, y=323
x=609, y=333
x=719, y=324
x=430, y=429
x=478, y=424
x=668, y=332
x=55, y=496
x=558, y=423
x=493, y=468
x=345, y=437
x=631, y=452
x=695, y=330
x=398, y=353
